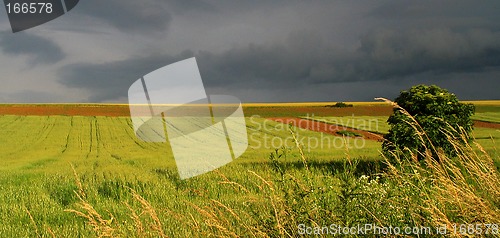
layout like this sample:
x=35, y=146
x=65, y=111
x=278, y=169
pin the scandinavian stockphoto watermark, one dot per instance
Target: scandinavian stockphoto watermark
x=272, y=134
x=204, y=131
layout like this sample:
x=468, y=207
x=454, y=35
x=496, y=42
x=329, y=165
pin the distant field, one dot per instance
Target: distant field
x=487, y=116
x=484, y=102
x=312, y=104
x=261, y=109
x=305, y=111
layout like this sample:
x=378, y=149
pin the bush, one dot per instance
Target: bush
x=341, y=104
x=437, y=112
x=348, y=133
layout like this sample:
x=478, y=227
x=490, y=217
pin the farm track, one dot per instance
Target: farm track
x=36, y=134
x=486, y=124
x=67, y=136
x=324, y=127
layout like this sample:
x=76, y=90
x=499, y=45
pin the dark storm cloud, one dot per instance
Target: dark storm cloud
x=182, y=6
x=39, y=49
x=252, y=66
x=31, y=96
x=384, y=54
x=305, y=60
x=110, y=81
x=464, y=12
x=146, y=17
x=127, y=15
x=389, y=54
x=395, y=45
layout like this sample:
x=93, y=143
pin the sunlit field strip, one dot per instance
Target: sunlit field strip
x=484, y=102
x=487, y=116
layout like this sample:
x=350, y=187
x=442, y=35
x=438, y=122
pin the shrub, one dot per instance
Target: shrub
x=348, y=133
x=341, y=104
x=437, y=112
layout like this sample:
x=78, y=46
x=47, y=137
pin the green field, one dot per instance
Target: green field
x=487, y=116
x=131, y=188
x=488, y=111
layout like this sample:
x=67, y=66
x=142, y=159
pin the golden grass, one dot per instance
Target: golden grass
x=101, y=226
x=111, y=227
x=464, y=187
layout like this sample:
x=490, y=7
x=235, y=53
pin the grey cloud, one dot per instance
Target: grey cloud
x=466, y=85
x=301, y=59
x=398, y=44
x=382, y=55
x=305, y=61
x=392, y=54
x=481, y=88
x=447, y=11
x=30, y=96
x=183, y=6
x=109, y=81
x=127, y=15
x=250, y=66
x=149, y=17
x=387, y=54
x=39, y=49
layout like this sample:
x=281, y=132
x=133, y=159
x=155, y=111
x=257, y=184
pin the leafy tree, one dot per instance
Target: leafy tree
x=436, y=110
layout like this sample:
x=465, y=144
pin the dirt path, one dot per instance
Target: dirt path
x=487, y=124
x=333, y=128
x=323, y=127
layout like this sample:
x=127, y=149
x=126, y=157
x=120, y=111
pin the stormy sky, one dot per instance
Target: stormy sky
x=259, y=50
